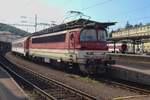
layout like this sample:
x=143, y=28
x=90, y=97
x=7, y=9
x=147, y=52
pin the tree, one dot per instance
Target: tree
x=140, y=24
x=110, y=33
x=128, y=25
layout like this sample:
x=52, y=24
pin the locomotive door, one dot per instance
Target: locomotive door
x=72, y=42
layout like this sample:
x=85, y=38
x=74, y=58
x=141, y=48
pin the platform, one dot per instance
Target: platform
x=140, y=74
x=133, y=57
x=9, y=89
x=131, y=67
x=139, y=69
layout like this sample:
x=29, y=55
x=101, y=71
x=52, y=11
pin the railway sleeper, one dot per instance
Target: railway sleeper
x=55, y=90
x=45, y=98
x=59, y=90
x=62, y=95
x=74, y=98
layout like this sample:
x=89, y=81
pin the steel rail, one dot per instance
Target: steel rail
x=27, y=82
x=126, y=86
x=82, y=94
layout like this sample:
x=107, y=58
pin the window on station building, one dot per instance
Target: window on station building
x=143, y=28
x=148, y=28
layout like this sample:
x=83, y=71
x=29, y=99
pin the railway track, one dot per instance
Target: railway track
x=114, y=83
x=48, y=88
x=131, y=86
x=143, y=90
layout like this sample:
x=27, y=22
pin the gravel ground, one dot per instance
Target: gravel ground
x=95, y=88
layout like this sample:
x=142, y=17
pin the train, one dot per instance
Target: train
x=80, y=44
x=124, y=47
x=117, y=48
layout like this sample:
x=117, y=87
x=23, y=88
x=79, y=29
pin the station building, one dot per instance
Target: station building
x=5, y=41
x=139, y=32
x=6, y=36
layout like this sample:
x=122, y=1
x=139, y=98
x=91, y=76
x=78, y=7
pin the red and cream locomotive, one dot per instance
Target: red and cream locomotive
x=80, y=43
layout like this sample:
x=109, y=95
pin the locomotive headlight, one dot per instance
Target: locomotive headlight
x=90, y=53
x=105, y=54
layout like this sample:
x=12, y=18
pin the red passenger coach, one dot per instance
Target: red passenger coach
x=21, y=46
x=81, y=42
x=117, y=47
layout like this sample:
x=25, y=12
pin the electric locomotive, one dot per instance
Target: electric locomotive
x=80, y=44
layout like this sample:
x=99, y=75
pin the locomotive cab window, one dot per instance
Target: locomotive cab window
x=102, y=35
x=88, y=35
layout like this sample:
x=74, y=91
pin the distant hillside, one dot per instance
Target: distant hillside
x=14, y=30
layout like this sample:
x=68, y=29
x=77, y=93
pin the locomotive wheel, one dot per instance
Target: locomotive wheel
x=83, y=69
x=88, y=70
x=73, y=68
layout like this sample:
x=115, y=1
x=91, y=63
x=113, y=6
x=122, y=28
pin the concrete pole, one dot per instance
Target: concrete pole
x=35, y=22
x=114, y=47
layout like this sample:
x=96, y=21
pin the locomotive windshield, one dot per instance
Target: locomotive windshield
x=92, y=35
x=101, y=35
x=88, y=35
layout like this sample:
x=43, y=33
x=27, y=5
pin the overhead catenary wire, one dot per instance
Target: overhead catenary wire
x=97, y=4
x=123, y=13
x=74, y=14
x=134, y=10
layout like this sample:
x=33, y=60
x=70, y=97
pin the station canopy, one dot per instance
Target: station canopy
x=132, y=38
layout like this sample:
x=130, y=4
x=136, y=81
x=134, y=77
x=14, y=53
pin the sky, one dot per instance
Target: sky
x=120, y=11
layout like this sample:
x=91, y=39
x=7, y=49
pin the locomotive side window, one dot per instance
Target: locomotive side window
x=50, y=39
x=88, y=35
x=101, y=35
